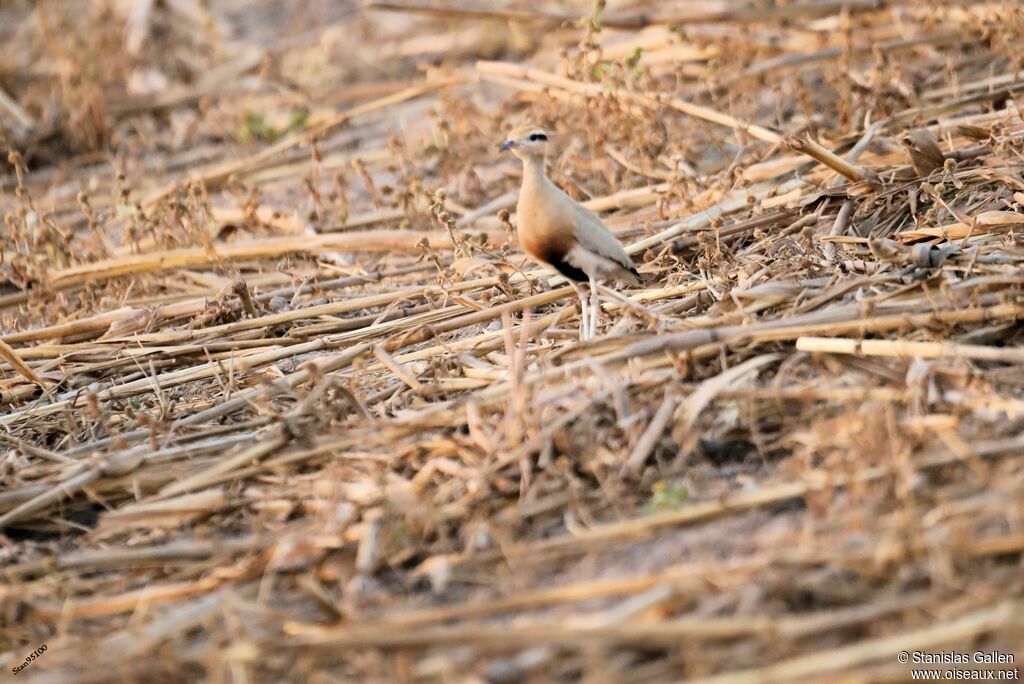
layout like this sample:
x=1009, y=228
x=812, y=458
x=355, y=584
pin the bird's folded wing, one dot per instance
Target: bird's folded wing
x=593, y=235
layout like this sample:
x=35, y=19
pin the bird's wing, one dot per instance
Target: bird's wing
x=593, y=235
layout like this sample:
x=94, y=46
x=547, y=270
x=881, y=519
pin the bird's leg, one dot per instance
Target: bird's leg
x=595, y=308
x=583, y=316
x=583, y=311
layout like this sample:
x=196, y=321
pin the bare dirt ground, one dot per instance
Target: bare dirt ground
x=283, y=400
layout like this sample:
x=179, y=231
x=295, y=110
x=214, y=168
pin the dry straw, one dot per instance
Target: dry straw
x=276, y=408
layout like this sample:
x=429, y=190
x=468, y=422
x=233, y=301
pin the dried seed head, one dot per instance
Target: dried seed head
x=924, y=153
x=885, y=249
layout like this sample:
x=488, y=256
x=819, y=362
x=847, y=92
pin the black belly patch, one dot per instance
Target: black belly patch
x=568, y=270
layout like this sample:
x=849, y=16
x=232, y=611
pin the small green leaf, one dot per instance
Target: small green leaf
x=299, y=118
x=256, y=126
x=666, y=496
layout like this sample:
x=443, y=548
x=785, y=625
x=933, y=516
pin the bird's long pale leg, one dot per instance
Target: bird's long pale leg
x=583, y=312
x=584, y=328
x=595, y=308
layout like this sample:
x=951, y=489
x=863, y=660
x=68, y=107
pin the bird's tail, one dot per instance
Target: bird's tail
x=630, y=276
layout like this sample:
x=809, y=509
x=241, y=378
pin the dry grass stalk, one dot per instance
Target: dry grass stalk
x=12, y=357
x=905, y=348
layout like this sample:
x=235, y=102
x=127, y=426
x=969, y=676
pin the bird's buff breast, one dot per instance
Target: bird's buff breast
x=541, y=237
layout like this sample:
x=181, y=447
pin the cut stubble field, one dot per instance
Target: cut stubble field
x=283, y=399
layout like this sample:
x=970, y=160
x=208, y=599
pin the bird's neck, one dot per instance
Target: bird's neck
x=533, y=174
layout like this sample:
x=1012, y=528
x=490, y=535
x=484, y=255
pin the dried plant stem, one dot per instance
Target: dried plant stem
x=12, y=357
x=465, y=11
x=650, y=436
x=908, y=349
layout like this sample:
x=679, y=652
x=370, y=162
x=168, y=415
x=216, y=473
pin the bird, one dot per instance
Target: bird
x=559, y=232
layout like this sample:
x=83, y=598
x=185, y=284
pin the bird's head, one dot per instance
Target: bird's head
x=526, y=142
